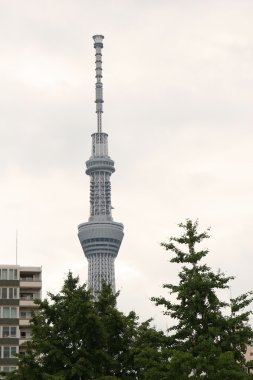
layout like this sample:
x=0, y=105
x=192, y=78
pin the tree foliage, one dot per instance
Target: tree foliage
x=76, y=337
x=205, y=342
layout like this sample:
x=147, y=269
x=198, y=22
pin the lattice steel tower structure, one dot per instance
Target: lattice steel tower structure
x=100, y=237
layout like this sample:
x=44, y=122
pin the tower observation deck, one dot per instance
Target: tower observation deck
x=100, y=237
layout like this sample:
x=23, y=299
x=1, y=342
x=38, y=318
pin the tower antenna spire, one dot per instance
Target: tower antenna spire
x=100, y=237
x=98, y=45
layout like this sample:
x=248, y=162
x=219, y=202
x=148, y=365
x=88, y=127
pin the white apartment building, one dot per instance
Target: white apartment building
x=19, y=287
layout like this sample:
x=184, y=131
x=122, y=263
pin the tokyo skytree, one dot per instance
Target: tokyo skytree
x=100, y=237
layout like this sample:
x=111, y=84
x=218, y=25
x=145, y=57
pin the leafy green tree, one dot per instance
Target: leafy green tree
x=204, y=342
x=75, y=337
x=150, y=354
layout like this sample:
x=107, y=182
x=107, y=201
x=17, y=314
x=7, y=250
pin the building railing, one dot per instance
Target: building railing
x=25, y=318
x=28, y=298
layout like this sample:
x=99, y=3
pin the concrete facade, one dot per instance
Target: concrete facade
x=19, y=287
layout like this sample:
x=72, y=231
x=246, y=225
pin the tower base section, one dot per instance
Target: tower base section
x=101, y=269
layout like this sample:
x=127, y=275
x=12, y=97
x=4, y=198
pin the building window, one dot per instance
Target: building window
x=6, y=312
x=8, y=274
x=9, y=352
x=13, y=312
x=24, y=335
x=9, y=332
x=13, y=330
x=3, y=293
x=5, y=332
x=23, y=314
x=9, y=312
x=8, y=369
x=10, y=293
x=13, y=293
x=13, y=274
x=26, y=314
x=3, y=274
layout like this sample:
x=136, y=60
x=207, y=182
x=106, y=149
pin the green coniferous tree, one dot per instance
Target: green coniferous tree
x=209, y=338
x=75, y=337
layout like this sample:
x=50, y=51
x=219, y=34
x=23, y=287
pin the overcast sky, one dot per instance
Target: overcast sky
x=178, y=89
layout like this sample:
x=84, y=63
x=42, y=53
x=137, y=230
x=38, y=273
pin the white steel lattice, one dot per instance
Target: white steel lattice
x=100, y=237
x=100, y=194
x=101, y=269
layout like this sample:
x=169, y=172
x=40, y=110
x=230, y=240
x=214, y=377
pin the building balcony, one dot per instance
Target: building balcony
x=28, y=283
x=24, y=322
x=27, y=302
x=23, y=341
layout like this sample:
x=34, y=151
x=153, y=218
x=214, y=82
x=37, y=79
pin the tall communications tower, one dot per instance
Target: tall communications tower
x=100, y=237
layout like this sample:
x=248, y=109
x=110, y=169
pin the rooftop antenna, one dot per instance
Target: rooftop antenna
x=98, y=45
x=16, y=247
